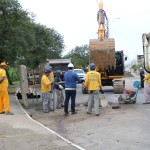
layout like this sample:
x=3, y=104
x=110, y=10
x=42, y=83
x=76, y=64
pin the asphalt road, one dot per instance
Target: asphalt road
x=126, y=128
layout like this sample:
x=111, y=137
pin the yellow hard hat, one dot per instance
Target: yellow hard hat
x=3, y=64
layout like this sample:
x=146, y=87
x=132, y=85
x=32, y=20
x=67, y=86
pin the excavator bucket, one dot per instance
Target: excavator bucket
x=102, y=52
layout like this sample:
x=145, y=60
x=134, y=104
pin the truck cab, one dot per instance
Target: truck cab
x=59, y=64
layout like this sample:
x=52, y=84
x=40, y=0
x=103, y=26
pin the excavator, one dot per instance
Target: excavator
x=109, y=63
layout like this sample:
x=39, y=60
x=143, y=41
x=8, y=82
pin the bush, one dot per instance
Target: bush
x=14, y=74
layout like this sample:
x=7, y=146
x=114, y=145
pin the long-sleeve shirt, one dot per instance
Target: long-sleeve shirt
x=45, y=84
x=147, y=78
x=57, y=80
x=51, y=76
x=4, y=83
x=93, y=80
x=70, y=80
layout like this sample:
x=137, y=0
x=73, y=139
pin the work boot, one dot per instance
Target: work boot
x=97, y=115
x=2, y=112
x=73, y=113
x=88, y=112
x=66, y=114
x=9, y=113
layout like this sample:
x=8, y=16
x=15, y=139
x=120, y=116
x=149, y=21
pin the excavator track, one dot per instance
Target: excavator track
x=119, y=86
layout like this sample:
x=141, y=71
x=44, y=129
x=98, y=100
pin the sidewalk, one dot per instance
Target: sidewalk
x=21, y=132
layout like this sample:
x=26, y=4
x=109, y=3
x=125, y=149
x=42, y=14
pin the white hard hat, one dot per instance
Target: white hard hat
x=141, y=68
x=70, y=65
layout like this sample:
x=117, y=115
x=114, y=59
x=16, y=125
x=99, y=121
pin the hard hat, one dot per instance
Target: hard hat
x=141, y=68
x=47, y=70
x=3, y=64
x=70, y=65
x=58, y=72
x=92, y=66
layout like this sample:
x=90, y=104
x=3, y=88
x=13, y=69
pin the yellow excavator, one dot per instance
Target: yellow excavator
x=109, y=63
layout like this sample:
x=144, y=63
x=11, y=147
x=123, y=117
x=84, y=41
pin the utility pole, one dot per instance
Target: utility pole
x=24, y=84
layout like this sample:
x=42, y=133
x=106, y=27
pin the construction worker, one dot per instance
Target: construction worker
x=4, y=97
x=93, y=83
x=147, y=88
x=46, y=89
x=51, y=74
x=58, y=89
x=101, y=17
x=142, y=77
x=70, y=88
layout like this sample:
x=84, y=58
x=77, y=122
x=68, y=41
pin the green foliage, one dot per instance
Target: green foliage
x=13, y=26
x=79, y=56
x=24, y=42
x=14, y=74
x=136, y=67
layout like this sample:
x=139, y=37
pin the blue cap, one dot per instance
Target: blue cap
x=58, y=72
x=92, y=66
x=47, y=70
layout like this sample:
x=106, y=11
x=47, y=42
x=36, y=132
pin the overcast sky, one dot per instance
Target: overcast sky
x=76, y=20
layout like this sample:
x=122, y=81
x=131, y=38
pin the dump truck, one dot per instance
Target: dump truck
x=109, y=63
x=59, y=64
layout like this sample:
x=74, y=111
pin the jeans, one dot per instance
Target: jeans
x=70, y=94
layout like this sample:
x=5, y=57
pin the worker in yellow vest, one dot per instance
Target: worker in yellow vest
x=4, y=97
x=51, y=74
x=93, y=83
x=46, y=89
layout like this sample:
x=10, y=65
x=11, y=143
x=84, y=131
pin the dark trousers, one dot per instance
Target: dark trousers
x=142, y=83
x=70, y=94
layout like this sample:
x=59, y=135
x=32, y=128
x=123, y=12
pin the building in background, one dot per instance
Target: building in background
x=140, y=59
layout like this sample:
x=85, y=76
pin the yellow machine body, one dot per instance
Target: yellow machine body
x=102, y=50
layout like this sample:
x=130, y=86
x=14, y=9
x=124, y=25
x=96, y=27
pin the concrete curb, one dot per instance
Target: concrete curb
x=50, y=130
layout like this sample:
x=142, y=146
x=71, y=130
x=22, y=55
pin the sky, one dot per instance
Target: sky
x=76, y=20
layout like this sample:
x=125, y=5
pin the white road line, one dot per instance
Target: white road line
x=73, y=144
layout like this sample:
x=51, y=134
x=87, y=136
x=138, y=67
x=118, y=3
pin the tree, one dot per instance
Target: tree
x=14, y=24
x=79, y=56
x=47, y=44
x=24, y=42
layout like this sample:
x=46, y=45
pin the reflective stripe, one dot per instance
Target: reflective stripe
x=70, y=88
x=91, y=79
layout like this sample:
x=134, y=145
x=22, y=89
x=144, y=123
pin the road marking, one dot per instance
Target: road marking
x=73, y=144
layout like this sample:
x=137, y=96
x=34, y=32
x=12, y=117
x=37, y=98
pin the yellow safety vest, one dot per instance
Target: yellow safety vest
x=147, y=78
x=93, y=80
x=45, y=84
